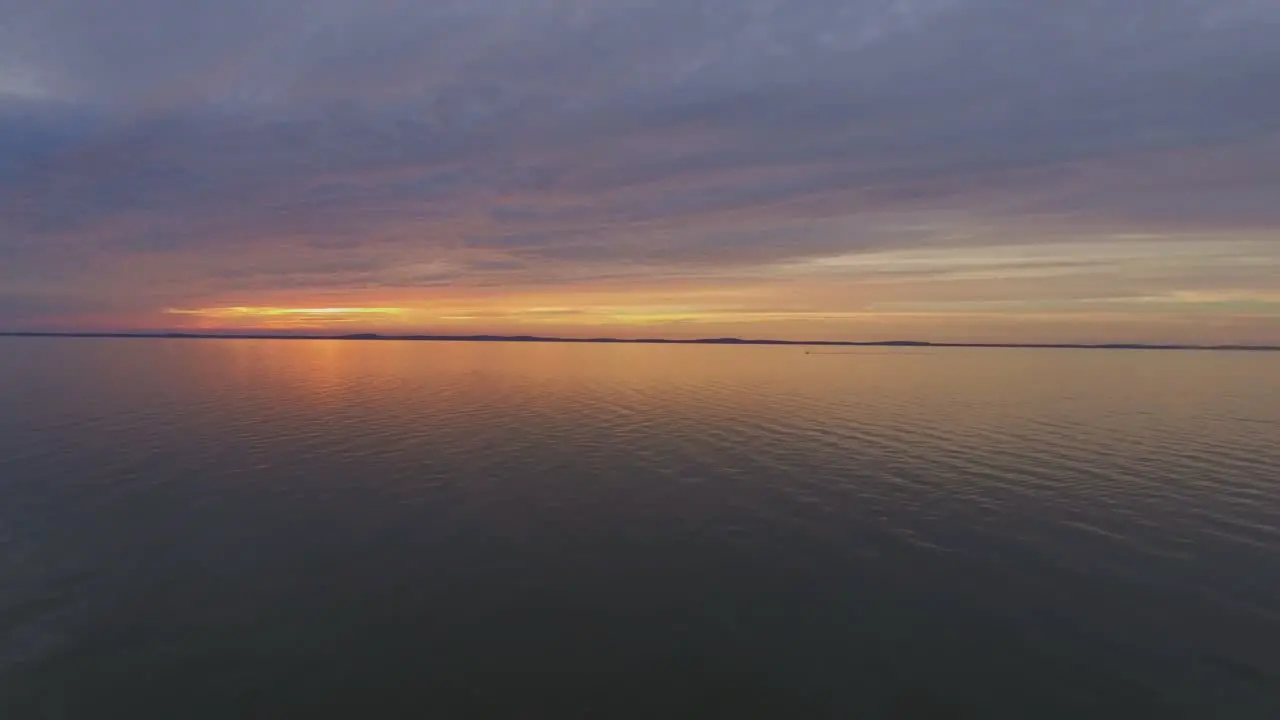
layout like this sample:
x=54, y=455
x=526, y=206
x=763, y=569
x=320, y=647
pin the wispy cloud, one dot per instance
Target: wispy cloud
x=840, y=154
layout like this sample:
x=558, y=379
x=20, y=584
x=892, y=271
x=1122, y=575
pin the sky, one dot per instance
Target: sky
x=948, y=170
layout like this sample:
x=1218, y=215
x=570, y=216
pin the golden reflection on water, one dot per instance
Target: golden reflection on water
x=365, y=494
x=946, y=389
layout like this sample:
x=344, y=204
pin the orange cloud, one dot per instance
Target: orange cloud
x=289, y=316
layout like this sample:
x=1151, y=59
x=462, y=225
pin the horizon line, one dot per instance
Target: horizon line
x=482, y=337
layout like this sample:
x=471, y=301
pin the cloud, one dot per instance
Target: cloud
x=187, y=153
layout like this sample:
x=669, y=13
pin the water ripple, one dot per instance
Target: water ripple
x=972, y=520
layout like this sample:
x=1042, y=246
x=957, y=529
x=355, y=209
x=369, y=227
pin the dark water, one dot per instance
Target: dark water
x=258, y=529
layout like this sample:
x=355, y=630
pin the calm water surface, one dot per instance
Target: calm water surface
x=272, y=529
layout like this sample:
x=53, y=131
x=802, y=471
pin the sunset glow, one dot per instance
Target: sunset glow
x=285, y=316
x=741, y=179
x=240, y=312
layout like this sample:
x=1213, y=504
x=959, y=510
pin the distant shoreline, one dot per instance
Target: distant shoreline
x=372, y=337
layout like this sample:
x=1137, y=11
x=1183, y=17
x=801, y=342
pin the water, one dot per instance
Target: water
x=272, y=529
